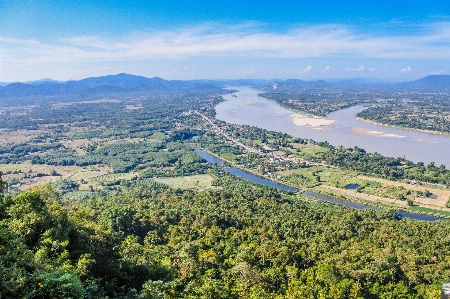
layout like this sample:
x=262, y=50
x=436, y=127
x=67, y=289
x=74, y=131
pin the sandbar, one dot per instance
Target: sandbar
x=311, y=121
x=423, y=141
x=365, y=132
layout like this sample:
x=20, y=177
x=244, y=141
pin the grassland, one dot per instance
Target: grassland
x=422, y=198
x=199, y=182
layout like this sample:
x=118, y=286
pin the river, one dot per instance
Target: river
x=250, y=109
x=263, y=181
x=243, y=174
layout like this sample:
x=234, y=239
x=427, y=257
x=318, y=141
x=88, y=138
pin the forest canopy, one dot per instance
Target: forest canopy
x=240, y=241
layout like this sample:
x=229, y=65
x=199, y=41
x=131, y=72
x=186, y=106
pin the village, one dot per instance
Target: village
x=261, y=158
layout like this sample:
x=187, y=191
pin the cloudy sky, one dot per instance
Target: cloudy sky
x=380, y=40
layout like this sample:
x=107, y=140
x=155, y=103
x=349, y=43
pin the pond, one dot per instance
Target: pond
x=432, y=196
x=352, y=186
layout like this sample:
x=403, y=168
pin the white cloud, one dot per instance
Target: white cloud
x=218, y=40
x=405, y=70
x=437, y=72
x=327, y=68
x=361, y=68
x=200, y=41
x=308, y=69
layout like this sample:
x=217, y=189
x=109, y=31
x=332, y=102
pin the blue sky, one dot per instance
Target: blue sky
x=309, y=40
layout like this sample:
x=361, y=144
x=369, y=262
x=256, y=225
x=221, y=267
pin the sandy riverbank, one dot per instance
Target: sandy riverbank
x=312, y=121
x=403, y=128
x=365, y=132
x=423, y=141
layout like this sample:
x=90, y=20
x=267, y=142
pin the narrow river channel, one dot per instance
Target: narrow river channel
x=263, y=181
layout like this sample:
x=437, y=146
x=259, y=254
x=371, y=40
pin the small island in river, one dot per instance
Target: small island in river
x=311, y=121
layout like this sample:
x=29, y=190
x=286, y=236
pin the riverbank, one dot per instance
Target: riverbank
x=324, y=190
x=400, y=127
x=349, y=198
x=243, y=172
x=305, y=119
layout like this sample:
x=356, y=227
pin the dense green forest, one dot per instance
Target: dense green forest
x=240, y=241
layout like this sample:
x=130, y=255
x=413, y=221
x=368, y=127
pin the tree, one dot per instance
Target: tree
x=3, y=184
x=59, y=284
x=121, y=219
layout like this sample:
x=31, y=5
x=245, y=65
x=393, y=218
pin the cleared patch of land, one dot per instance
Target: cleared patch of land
x=19, y=136
x=30, y=175
x=363, y=196
x=17, y=110
x=60, y=105
x=333, y=180
x=134, y=107
x=200, y=182
x=442, y=196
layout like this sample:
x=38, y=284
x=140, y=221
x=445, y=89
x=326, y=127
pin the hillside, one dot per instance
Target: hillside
x=119, y=83
x=242, y=241
x=431, y=81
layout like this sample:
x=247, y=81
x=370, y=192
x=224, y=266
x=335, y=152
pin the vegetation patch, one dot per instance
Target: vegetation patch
x=200, y=182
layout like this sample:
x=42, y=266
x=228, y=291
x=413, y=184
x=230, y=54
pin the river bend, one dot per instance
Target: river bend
x=247, y=108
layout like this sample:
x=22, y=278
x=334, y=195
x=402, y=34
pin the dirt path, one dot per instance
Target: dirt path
x=365, y=196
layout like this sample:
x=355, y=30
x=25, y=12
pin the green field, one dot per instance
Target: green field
x=200, y=181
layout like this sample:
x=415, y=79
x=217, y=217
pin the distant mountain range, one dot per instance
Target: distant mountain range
x=430, y=82
x=130, y=83
x=41, y=81
x=101, y=85
x=441, y=82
